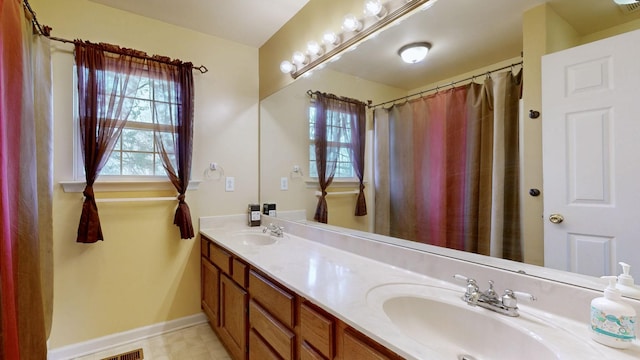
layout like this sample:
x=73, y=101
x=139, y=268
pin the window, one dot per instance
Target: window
x=339, y=133
x=135, y=153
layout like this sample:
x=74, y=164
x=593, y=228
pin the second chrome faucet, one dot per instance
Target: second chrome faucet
x=507, y=304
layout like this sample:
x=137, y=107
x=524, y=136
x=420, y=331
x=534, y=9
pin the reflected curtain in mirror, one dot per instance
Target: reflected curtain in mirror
x=339, y=126
x=447, y=168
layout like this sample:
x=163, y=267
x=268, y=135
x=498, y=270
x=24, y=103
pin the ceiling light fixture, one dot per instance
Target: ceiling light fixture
x=414, y=52
x=626, y=2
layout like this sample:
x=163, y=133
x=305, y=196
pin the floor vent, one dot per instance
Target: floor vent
x=130, y=355
x=630, y=8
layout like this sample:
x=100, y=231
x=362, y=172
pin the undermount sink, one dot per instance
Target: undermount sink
x=255, y=238
x=438, y=319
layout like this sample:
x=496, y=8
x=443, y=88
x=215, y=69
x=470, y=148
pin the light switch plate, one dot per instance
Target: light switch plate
x=230, y=183
x=284, y=183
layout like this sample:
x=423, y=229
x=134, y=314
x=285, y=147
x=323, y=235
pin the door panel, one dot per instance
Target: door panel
x=591, y=156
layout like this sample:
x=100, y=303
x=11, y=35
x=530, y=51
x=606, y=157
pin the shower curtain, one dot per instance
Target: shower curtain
x=26, y=185
x=446, y=168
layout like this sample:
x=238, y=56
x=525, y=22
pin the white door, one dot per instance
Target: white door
x=591, y=156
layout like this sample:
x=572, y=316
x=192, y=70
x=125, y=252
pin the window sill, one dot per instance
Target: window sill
x=125, y=185
x=313, y=183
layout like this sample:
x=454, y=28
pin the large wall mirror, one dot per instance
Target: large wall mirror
x=468, y=40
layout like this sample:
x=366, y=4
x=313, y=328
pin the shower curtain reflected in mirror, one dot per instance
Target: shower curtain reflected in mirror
x=446, y=168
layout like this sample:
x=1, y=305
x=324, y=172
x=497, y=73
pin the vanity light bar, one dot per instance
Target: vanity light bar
x=352, y=35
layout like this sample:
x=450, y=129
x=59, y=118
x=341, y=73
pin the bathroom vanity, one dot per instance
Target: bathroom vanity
x=313, y=293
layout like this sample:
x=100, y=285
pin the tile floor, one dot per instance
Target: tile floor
x=193, y=343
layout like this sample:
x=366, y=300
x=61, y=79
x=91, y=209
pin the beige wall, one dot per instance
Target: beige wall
x=143, y=273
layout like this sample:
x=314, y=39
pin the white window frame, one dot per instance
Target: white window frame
x=109, y=183
x=337, y=180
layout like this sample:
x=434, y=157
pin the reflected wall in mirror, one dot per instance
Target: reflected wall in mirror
x=374, y=72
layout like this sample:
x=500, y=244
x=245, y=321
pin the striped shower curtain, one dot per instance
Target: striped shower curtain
x=26, y=159
x=446, y=168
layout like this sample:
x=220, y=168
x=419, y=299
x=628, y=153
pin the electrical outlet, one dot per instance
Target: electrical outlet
x=230, y=183
x=284, y=183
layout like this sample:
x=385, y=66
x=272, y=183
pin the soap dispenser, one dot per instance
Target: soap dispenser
x=625, y=282
x=613, y=323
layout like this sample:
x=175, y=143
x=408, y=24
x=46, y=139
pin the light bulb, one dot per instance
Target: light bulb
x=331, y=38
x=351, y=23
x=375, y=8
x=287, y=67
x=299, y=58
x=314, y=49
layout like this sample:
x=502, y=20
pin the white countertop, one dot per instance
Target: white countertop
x=342, y=282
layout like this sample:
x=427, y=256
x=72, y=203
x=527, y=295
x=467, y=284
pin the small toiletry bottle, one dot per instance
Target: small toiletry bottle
x=253, y=215
x=613, y=323
x=625, y=282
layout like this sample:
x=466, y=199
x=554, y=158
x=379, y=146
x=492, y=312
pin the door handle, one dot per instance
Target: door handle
x=556, y=218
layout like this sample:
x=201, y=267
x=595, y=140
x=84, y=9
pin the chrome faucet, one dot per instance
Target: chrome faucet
x=507, y=304
x=274, y=230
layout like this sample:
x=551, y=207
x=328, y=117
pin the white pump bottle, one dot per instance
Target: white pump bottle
x=613, y=323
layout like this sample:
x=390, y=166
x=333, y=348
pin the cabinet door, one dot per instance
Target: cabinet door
x=210, y=278
x=354, y=345
x=233, y=317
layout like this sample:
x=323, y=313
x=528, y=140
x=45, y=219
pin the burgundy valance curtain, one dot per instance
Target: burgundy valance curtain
x=447, y=168
x=108, y=79
x=340, y=122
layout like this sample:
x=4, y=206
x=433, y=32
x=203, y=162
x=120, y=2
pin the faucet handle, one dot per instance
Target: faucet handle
x=524, y=296
x=510, y=298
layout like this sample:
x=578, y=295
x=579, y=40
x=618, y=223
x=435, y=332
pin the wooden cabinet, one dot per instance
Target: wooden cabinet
x=255, y=317
x=224, y=297
x=354, y=345
x=317, y=330
x=271, y=315
x=210, y=288
x=233, y=317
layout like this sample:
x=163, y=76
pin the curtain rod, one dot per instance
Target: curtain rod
x=46, y=31
x=438, y=87
x=335, y=97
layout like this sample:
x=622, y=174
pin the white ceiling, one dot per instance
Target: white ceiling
x=466, y=34
x=249, y=22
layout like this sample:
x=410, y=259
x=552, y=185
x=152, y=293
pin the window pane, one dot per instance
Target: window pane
x=134, y=163
x=141, y=111
x=137, y=140
x=112, y=167
x=164, y=112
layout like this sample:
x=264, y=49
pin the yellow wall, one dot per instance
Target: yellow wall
x=143, y=273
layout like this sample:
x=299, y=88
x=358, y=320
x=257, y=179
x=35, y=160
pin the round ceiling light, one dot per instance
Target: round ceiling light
x=414, y=52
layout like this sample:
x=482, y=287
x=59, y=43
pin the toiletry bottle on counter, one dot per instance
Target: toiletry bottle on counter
x=253, y=215
x=613, y=323
x=625, y=282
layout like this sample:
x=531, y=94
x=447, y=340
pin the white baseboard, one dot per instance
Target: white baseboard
x=123, y=338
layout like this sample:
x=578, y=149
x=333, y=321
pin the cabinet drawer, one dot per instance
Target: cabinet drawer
x=277, y=301
x=272, y=331
x=204, y=247
x=308, y=353
x=259, y=350
x=317, y=329
x=239, y=272
x=220, y=258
